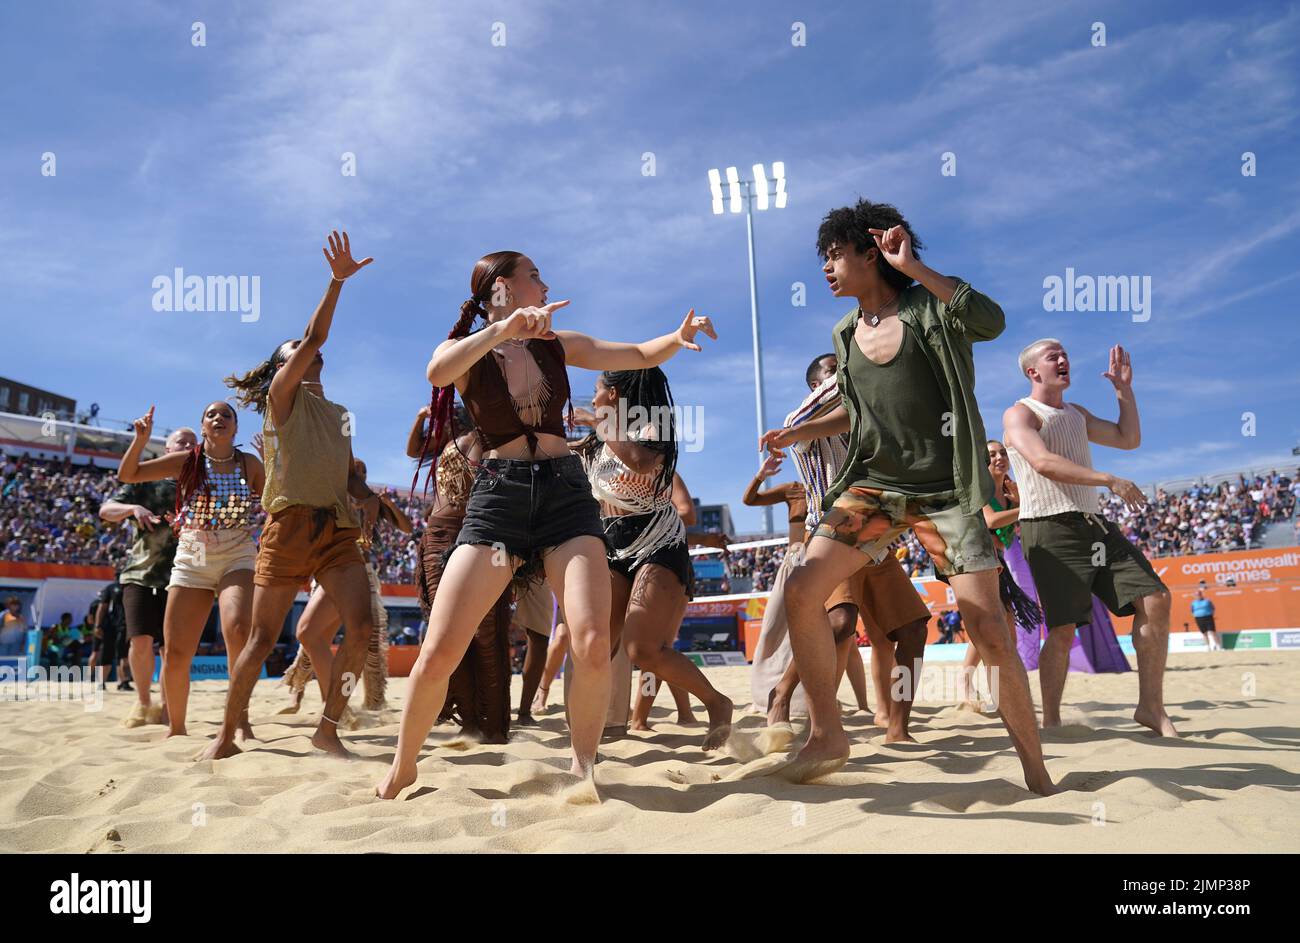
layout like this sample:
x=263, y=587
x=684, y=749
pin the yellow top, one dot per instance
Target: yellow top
x=308, y=458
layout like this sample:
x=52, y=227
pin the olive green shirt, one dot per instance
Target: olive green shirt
x=945, y=333
x=901, y=446
x=149, y=561
x=309, y=458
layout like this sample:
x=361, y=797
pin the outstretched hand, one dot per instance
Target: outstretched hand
x=691, y=325
x=1120, y=371
x=771, y=465
x=339, y=257
x=774, y=440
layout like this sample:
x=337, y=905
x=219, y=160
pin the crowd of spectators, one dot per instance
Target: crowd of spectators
x=49, y=512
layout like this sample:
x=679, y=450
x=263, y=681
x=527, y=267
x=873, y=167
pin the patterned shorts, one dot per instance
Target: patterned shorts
x=870, y=519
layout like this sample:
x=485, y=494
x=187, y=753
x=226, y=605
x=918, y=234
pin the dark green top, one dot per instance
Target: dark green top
x=901, y=446
x=946, y=333
x=150, y=561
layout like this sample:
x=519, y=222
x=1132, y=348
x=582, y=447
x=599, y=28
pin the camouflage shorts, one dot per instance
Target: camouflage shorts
x=871, y=519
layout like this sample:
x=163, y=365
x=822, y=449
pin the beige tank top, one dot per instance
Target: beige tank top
x=1065, y=433
x=308, y=459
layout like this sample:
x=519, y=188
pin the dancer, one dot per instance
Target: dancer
x=311, y=531
x=320, y=622
x=1203, y=613
x=146, y=573
x=478, y=692
x=916, y=460
x=1062, y=530
x=216, y=506
x=647, y=688
x=893, y=613
x=631, y=462
x=529, y=495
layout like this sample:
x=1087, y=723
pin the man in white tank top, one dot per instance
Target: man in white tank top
x=1072, y=551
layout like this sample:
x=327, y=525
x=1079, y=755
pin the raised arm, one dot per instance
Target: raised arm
x=284, y=385
x=753, y=497
x=452, y=358
x=974, y=314
x=995, y=519
x=132, y=469
x=415, y=440
x=591, y=353
x=1126, y=433
x=1020, y=432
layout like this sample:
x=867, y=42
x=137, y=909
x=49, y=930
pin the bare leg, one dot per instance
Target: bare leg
x=682, y=698
x=986, y=625
x=141, y=655
x=857, y=674
x=826, y=564
x=317, y=626
x=970, y=664
x=534, y=665
x=471, y=583
x=1053, y=670
x=654, y=613
x=187, y=612
x=882, y=668
x=647, y=689
x=579, y=574
x=1151, y=643
x=348, y=587
x=270, y=605
x=235, y=604
x=556, y=649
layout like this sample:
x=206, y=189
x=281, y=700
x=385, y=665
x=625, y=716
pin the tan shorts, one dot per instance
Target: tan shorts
x=205, y=557
x=885, y=597
x=533, y=608
x=301, y=542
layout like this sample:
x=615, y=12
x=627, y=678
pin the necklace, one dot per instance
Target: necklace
x=221, y=461
x=874, y=319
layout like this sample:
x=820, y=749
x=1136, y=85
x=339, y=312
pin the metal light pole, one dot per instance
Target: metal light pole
x=750, y=192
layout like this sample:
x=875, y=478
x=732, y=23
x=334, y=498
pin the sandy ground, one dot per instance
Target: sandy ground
x=76, y=781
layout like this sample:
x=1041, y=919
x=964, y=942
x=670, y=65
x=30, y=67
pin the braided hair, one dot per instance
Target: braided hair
x=649, y=390
x=442, y=405
x=193, y=477
x=253, y=389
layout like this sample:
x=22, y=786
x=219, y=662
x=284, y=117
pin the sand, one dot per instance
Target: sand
x=76, y=781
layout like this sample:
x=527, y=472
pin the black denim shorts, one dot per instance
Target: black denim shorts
x=530, y=507
x=622, y=531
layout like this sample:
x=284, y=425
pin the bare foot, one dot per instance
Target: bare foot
x=818, y=758
x=154, y=714
x=244, y=732
x=220, y=749
x=138, y=717
x=1160, y=722
x=394, y=782
x=174, y=733
x=894, y=737
x=330, y=743
x=638, y=724
x=778, y=709
x=881, y=718
x=687, y=720
x=719, y=723
x=1041, y=783
x=974, y=708
x=539, y=699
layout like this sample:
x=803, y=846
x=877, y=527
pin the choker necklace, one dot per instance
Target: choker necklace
x=213, y=458
x=874, y=319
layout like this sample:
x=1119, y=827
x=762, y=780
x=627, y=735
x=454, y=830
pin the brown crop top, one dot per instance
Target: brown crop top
x=518, y=389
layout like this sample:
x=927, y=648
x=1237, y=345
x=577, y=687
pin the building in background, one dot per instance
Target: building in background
x=713, y=518
x=27, y=400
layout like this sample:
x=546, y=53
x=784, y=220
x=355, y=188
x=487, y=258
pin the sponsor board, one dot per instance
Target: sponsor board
x=1288, y=638
x=207, y=668
x=717, y=659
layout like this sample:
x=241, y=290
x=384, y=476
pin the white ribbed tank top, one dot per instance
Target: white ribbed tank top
x=1065, y=433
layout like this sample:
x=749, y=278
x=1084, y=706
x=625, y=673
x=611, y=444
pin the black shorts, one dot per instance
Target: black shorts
x=106, y=646
x=622, y=531
x=1205, y=623
x=1074, y=557
x=529, y=508
x=144, y=607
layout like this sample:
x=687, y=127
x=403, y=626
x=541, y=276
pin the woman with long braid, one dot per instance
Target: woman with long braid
x=478, y=692
x=530, y=508
x=312, y=530
x=631, y=462
x=217, y=486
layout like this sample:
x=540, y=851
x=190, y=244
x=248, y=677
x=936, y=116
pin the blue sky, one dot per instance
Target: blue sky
x=225, y=159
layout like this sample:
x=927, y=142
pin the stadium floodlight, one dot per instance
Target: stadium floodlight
x=715, y=185
x=754, y=191
x=760, y=186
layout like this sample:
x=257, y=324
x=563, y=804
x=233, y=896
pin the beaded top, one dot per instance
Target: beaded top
x=225, y=503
